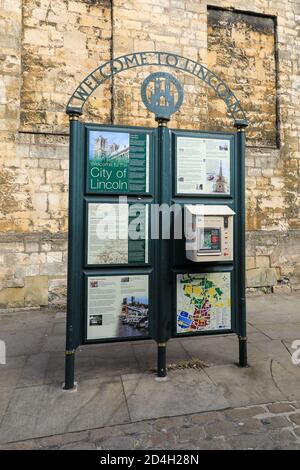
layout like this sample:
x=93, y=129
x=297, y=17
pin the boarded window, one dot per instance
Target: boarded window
x=241, y=50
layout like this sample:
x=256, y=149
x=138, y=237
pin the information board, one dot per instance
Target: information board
x=117, y=306
x=203, y=302
x=118, y=162
x=117, y=233
x=202, y=165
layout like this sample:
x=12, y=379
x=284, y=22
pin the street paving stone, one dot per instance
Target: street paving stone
x=120, y=404
x=216, y=430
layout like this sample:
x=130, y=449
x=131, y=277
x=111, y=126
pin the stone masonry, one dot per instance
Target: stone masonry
x=49, y=46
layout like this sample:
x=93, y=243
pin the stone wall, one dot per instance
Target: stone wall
x=48, y=46
x=241, y=47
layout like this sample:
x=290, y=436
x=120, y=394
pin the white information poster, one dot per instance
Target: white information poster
x=117, y=306
x=117, y=233
x=203, y=302
x=203, y=165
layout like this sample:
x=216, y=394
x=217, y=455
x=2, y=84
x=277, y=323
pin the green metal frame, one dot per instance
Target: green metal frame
x=166, y=257
x=154, y=58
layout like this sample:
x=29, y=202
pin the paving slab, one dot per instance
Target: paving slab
x=103, y=360
x=243, y=386
x=47, y=409
x=254, y=334
x=5, y=396
x=185, y=391
x=213, y=350
x=288, y=344
x=287, y=378
x=34, y=370
x=265, y=308
x=24, y=342
x=115, y=380
x=220, y=350
x=59, y=328
x=280, y=351
x=280, y=329
x=24, y=320
x=11, y=371
x=54, y=343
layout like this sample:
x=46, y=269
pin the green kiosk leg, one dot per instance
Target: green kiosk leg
x=241, y=125
x=73, y=258
x=163, y=276
x=69, y=370
x=243, y=351
x=161, y=360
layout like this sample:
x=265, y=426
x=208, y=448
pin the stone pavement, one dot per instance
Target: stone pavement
x=120, y=405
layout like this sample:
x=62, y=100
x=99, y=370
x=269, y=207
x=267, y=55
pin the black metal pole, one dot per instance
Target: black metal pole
x=71, y=295
x=161, y=360
x=69, y=370
x=163, y=246
x=242, y=319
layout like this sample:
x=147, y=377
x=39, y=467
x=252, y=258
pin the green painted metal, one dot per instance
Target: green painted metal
x=166, y=257
x=154, y=58
x=75, y=241
x=161, y=81
x=241, y=246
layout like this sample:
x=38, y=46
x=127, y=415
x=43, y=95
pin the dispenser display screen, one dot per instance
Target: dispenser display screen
x=210, y=240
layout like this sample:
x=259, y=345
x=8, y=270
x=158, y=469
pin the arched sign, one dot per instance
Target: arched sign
x=129, y=277
x=162, y=59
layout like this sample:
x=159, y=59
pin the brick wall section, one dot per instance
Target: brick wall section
x=48, y=46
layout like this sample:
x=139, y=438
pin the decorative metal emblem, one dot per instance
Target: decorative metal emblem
x=162, y=94
x=125, y=62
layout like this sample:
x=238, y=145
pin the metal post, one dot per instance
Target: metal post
x=161, y=360
x=162, y=248
x=241, y=301
x=71, y=301
x=69, y=370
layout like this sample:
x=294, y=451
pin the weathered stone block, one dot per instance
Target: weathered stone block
x=261, y=277
x=250, y=262
x=31, y=247
x=36, y=36
x=262, y=261
x=54, y=257
x=36, y=291
x=12, y=297
x=280, y=408
x=282, y=289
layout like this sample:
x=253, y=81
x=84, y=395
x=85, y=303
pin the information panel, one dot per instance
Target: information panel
x=117, y=233
x=117, y=306
x=203, y=302
x=118, y=162
x=203, y=165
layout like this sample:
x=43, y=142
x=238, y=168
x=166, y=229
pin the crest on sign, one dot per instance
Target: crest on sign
x=162, y=94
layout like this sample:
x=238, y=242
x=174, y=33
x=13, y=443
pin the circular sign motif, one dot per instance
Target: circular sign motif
x=162, y=94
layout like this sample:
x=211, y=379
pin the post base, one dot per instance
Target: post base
x=70, y=390
x=243, y=351
x=69, y=370
x=161, y=360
